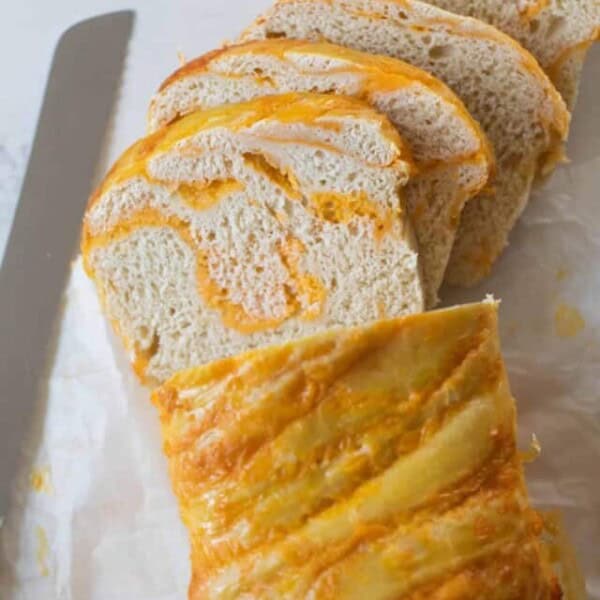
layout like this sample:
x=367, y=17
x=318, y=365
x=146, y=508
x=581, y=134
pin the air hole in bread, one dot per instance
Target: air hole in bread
x=556, y=25
x=442, y=51
x=512, y=160
x=154, y=345
x=147, y=353
x=319, y=90
x=274, y=35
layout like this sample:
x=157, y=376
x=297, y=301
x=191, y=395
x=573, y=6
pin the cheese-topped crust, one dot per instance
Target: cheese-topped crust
x=376, y=462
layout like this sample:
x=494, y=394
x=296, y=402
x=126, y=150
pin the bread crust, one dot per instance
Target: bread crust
x=331, y=492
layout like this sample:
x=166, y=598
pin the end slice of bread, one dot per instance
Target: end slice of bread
x=557, y=32
x=251, y=224
x=366, y=464
x=501, y=84
x=451, y=152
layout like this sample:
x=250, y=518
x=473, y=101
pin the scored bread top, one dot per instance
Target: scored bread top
x=250, y=224
x=453, y=155
x=370, y=463
x=501, y=83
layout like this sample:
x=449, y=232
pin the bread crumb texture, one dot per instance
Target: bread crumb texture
x=254, y=223
x=500, y=83
x=453, y=156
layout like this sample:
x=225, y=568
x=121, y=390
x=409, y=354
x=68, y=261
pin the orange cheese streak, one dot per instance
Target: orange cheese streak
x=202, y=197
x=306, y=285
x=333, y=207
x=342, y=208
x=306, y=294
x=376, y=462
x=379, y=74
x=304, y=108
x=233, y=315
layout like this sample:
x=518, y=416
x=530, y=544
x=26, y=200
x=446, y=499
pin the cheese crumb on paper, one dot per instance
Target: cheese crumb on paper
x=42, y=551
x=562, y=274
x=39, y=480
x=568, y=321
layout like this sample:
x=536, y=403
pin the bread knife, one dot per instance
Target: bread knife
x=80, y=92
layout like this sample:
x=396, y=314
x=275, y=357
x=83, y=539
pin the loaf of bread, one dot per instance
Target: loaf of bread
x=372, y=463
x=252, y=224
x=452, y=155
x=557, y=32
x=500, y=83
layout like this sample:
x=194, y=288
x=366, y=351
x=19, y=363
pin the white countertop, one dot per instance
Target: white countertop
x=29, y=31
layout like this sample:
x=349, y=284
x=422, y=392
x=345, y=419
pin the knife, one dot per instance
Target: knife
x=80, y=92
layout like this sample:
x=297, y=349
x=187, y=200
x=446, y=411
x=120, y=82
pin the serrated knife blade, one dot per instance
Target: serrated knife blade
x=80, y=92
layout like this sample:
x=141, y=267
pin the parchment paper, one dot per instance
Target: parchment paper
x=94, y=517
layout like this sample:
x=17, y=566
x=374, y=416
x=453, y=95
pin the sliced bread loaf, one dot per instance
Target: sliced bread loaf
x=251, y=224
x=365, y=464
x=500, y=83
x=451, y=152
x=557, y=32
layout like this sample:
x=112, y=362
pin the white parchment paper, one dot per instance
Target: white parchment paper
x=94, y=517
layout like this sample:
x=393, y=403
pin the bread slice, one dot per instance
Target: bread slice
x=251, y=224
x=452, y=154
x=500, y=83
x=557, y=32
x=371, y=463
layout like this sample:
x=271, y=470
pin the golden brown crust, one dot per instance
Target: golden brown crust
x=579, y=49
x=193, y=66
x=366, y=463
